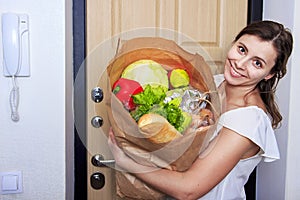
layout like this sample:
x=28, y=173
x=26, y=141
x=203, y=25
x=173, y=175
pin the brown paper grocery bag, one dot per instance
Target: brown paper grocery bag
x=178, y=154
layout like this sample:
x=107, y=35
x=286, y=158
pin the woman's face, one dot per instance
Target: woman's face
x=249, y=61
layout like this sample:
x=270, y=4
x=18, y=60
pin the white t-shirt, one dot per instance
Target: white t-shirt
x=253, y=123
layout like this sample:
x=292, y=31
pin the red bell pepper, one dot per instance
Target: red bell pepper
x=124, y=88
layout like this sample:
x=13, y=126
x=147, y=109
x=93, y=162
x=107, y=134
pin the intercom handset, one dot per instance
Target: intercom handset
x=15, y=41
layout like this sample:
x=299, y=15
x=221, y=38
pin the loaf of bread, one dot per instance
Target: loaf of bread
x=157, y=129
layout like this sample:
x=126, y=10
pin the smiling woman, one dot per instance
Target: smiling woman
x=89, y=26
x=276, y=44
x=249, y=59
x=244, y=135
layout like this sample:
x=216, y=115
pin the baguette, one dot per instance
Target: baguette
x=157, y=129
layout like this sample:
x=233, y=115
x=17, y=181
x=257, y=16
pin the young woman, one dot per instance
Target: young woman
x=244, y=135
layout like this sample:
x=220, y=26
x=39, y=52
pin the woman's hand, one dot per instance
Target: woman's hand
x=120, y=157
x=124, y=162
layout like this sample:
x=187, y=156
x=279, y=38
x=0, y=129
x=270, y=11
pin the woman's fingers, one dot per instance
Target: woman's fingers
x=112, y=143
x=112, y=140
x=111, y=136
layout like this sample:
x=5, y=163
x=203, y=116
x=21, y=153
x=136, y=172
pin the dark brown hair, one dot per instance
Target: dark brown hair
x=282, y=41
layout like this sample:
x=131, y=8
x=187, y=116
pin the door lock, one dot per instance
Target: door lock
x=99, y=161
x=97, y=121
x=97, y=94
x=97, y=180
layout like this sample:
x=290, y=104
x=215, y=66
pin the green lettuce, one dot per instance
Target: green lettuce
x=151, y=100
x=145, y=100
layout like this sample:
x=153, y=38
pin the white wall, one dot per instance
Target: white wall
x=36, y=145
x=293, y=159
x=279, y=180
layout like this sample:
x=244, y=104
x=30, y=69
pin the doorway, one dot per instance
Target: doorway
x=79, y=54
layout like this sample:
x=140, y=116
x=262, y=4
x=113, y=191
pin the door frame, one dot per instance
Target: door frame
x=79, y=54
x=255, y=8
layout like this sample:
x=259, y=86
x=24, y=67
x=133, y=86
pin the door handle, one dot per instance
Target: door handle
x=99, y=161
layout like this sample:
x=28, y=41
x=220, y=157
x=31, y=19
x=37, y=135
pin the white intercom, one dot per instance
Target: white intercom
x=15, y=42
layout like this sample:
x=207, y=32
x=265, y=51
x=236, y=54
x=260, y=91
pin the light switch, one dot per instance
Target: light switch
x=10, y=182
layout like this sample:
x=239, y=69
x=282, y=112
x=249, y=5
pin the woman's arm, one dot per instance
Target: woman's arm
x=206, y=172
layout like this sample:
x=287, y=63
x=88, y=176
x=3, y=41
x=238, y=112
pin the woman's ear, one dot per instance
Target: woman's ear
x=268, y=77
